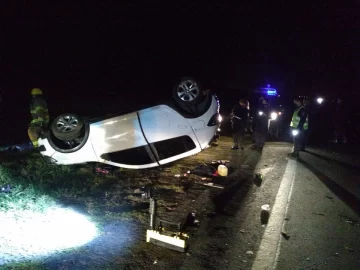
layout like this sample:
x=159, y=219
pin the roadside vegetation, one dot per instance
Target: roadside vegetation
x=29, y=185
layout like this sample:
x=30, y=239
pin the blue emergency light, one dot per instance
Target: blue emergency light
x=270, y=91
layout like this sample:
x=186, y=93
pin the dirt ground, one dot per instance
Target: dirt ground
x=122, y=212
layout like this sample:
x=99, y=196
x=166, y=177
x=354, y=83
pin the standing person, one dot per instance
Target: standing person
x=339, y=121
x=261, y=124
x=39, y=114
x=299, y=123
x=239, y=118
x=309, y=109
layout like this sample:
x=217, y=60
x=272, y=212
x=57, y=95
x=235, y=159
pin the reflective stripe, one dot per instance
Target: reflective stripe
x=35, y=144
x=296, y=119
x=38, y=108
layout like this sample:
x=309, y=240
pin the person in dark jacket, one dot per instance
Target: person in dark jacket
x=261, y=124
x=339, y=121
x=310, y=113
x=239, y=118
x=299, y=123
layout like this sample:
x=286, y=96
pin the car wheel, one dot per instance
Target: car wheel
x=188, y=92
x=67, y=127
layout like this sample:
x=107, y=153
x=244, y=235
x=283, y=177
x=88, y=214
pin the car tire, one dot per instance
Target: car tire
x=67, y=127
x=188, y=92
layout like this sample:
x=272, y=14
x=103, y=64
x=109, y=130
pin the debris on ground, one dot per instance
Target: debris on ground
x=220, y=162
x=210, y=185
x=258, y=179
x=103, y=170
x=285, y=235
x=265, y=213
x=249, y=252
x=319, y=214
x=329, y=197
x=349, y=220
x=222, y=170
x=215, y=168
x=5, y=189
x=204, y=170
x=349, y=249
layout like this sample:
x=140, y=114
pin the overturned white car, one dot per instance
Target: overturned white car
x=142, y=139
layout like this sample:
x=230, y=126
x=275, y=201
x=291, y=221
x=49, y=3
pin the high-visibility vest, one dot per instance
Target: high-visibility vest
x=296, y=119
x=39, y=112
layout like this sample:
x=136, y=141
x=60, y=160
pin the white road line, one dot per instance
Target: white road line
x=269, y=247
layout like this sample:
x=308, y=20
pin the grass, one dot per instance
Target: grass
x=34, y=183
x=36, y=186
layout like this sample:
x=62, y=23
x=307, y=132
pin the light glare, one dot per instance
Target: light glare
x=28, y=234
x=319, y=100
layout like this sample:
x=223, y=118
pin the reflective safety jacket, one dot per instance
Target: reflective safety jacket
x=296, y=119
x=39, y=112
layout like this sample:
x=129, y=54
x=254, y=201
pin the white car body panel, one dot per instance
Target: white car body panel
x=136, y=130
x=116, y=134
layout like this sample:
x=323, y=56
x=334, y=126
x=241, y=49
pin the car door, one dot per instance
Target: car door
x=119, y=141
x=169, y=134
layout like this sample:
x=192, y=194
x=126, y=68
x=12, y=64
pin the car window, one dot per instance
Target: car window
x=174, y=146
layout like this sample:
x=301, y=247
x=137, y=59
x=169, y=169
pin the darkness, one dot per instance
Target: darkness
x=97, y=58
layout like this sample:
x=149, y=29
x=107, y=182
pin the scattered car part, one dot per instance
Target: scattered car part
x=159, y=235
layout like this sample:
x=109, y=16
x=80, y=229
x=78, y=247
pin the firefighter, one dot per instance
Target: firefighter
x=40, y=116
x=261, y=124
x=239, y=118
x=299, y=123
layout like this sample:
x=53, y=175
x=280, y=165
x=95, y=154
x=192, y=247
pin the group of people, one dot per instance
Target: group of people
x=299, y=124
x=239, y=121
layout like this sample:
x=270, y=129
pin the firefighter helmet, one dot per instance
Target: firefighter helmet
x=36, y=91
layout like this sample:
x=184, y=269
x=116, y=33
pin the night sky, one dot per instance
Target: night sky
x=99, y=57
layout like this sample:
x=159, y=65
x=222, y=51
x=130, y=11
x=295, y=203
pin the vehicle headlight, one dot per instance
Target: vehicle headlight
x=319, y=100
x=220, y=118
x=261, y=113
x=273, y=115
x=295, y=132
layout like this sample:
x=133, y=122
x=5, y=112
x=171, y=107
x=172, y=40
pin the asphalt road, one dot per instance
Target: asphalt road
x=314, y=218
